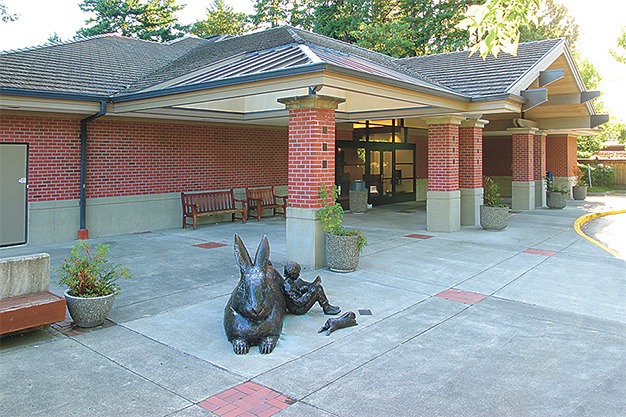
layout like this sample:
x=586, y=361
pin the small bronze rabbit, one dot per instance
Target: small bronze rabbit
x=254, y=313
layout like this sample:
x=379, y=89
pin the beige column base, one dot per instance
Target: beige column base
x=523, y=193
x=540, y=193
x=471, y=199
x=443, y=211
x=306, y=241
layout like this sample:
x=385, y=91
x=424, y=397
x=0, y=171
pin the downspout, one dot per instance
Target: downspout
x=83, y=233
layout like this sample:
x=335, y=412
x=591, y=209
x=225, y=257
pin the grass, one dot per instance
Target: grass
x=599, y=189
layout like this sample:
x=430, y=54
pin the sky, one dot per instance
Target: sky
x=600, y=23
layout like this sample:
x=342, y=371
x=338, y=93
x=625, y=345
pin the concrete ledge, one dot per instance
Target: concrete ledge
x=443, y=211
x=306, y=241
x=24, y=275
x=540, y=193
x=523, y=195
x=471, y=199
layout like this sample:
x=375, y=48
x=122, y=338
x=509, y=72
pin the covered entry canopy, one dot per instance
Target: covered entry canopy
x=239, y=79
x=278, y=78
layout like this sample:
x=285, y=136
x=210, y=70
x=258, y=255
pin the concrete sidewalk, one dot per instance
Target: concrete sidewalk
x=530, y=321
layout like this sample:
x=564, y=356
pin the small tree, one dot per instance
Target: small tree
x=221, y=19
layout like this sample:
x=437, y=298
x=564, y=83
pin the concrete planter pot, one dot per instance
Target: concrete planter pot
x=579, y=192
x=494, y=218
x=342, y=252
x=556, y=200
x=89, y=312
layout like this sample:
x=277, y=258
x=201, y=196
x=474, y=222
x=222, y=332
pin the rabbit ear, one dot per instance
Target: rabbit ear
x=262, y=254
x=241, y=254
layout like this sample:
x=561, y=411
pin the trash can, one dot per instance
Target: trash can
x=358, y=197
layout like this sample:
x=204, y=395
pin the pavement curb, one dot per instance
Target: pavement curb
x=590, y=216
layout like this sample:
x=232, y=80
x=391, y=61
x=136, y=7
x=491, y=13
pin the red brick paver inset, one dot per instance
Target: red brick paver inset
x=540, y=252
x=417, y=236
x=210, y=245
x=246, y=400
x=466, y=297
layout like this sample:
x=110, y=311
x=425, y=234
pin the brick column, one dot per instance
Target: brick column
x=523, y=187
x=443, y=199
x=471, y=170
x=311, y=162
x=539, y=167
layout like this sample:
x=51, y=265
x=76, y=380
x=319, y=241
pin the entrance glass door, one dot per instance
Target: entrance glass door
x=381, y=177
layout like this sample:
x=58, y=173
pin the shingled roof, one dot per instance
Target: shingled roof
x=479, y=78
x=99, y=65
x=112, y=65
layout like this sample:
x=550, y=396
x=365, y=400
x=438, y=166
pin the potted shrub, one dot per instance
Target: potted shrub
x=92, y=283
x=579, y=190
x=557, y=197
x=343, y=246
x=494, y=214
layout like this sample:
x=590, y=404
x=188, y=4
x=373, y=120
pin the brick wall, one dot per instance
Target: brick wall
x=558, y=155
x=523, y=156
x=134, y=158
x=470, y=157
x=311, y=131
x=421, y=155
x=443, y=157
x=497, y=156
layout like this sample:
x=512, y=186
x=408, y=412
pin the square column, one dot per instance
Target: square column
x=471, y=170
x=539, y=167
x=523, y=186
x=443, y=199
x=561, y=160
x=311, y=163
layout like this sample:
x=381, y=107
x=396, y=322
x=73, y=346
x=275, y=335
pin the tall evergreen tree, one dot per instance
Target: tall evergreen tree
x=153, y=20
x=221, y=19
x=5, y=15
x=554, y=22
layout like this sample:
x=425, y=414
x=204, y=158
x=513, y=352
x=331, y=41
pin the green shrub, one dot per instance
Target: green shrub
x=601, y=175
x=491, y=193
x=88, y=275
x=331, y=216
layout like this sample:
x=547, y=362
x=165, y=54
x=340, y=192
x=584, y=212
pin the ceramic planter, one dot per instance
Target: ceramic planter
x=342, y=253
x=494, y=218
x=556, y=200
x=89, y=312
x=579, y=192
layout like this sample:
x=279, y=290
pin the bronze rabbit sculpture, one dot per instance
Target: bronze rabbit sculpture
x=254, y=313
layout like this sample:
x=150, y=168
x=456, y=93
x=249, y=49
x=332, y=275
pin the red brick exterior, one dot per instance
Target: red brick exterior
x=443, y=157
x=497, y=156
x=470, y=157
x=306, y=155
x=539, y=156
x=421, y=155
x=136, y=157
x=523, y=156
x=561, y=155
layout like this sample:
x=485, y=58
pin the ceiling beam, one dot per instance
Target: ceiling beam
x=535, y=97
x=571, y=98
x=583, y=122
x=549, y=76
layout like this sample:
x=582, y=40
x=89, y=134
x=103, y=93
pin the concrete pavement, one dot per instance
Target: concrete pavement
x=547, y=338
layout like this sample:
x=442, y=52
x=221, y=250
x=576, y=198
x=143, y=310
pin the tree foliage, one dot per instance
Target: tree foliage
x=221, y=19
x=495, y=26
x=620, y=53
x=5, y=15
x=554, y=21
x=153, y=20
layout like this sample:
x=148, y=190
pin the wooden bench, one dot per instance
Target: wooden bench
x=263, y=198
x=30, y=311
x=209, y=203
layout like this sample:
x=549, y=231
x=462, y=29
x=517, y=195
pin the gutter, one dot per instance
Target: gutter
x=83, y=233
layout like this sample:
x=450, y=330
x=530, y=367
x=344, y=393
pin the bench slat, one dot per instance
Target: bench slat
x=30, y=310
x=209, y=203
